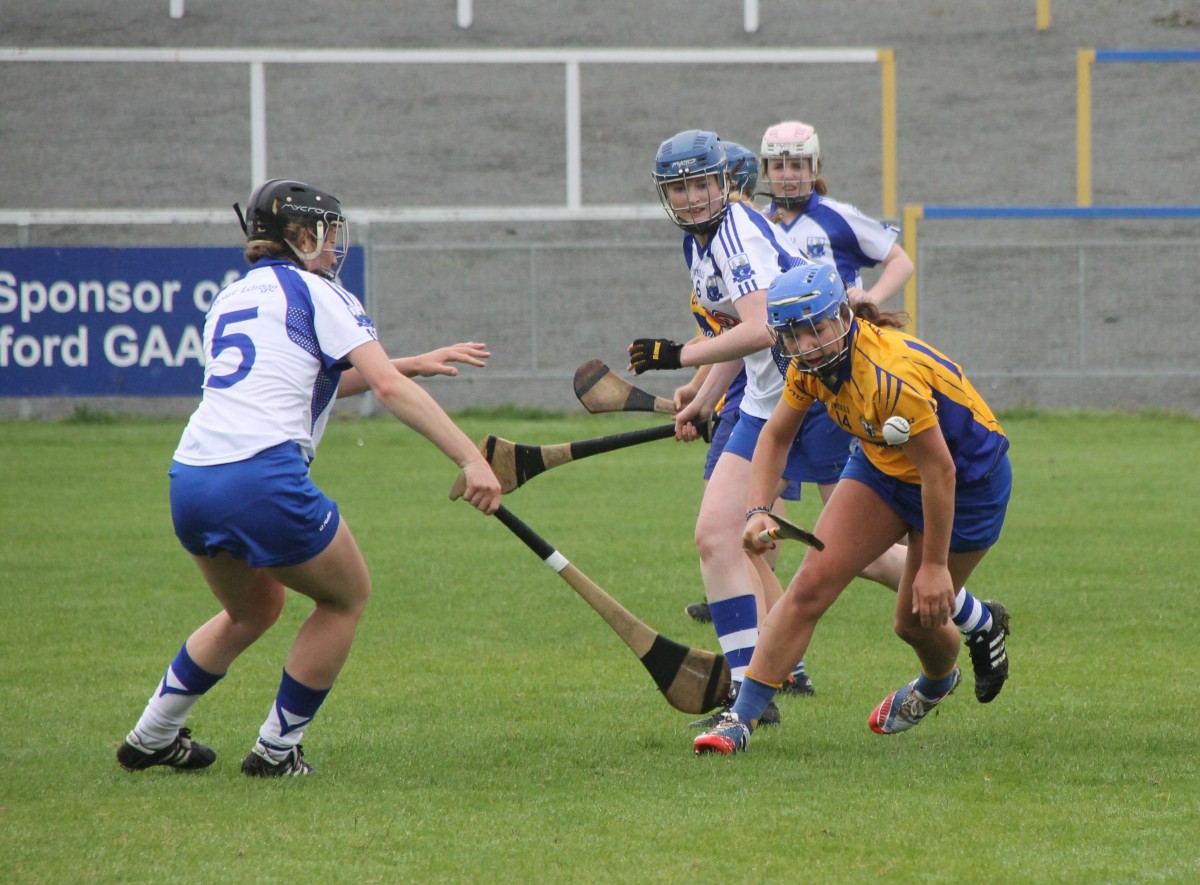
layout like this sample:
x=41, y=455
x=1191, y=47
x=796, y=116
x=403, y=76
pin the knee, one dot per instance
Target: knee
x=910, y=630
x=351, y=601
x=257, y=619
x=904, y=629
x=715, y=539
x=806, y=600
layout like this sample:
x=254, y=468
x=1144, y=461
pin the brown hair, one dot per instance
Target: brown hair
x=891, y=319
x=257, y=250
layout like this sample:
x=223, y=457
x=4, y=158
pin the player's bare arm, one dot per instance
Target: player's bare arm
x=933, y=587
x=405, y=399
x=766, y=471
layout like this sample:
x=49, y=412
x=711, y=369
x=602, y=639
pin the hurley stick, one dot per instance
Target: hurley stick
x=691, y=679
x=601, y=390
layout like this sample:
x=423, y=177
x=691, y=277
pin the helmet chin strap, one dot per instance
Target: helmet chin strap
x=309, y=256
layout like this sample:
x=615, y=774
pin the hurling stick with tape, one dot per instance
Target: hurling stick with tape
x=515, y=463
x=789, y=531
x=691, y=679
x=600, y=390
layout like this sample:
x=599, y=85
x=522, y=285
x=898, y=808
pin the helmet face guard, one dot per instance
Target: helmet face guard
x=809, y=313
x=690, y=173
x=279, y=203
x=782, y=155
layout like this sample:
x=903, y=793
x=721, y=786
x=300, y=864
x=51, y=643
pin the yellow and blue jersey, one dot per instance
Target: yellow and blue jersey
x=892, y=373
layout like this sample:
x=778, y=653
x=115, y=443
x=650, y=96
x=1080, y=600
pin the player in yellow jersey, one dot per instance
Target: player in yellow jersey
x=941, y=478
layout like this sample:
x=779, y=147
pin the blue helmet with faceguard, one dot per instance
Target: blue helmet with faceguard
x=809, y=311
x=690, y=175
x=743, y=168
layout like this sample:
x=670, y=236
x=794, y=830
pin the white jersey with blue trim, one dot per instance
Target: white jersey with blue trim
x=836, y=233
x=745, y=254
x=275, y=343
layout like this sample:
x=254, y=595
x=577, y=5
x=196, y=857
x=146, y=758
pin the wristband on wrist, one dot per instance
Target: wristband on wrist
x=754, y=510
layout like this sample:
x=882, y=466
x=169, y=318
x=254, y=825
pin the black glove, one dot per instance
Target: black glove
x=654, y=353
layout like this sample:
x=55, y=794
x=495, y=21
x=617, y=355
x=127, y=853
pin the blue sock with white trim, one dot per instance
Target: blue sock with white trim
x=736, y=623
x=168, y=708
x=294, y=707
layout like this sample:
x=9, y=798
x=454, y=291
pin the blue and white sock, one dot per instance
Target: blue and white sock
x=736, y=623
x=169, y=706
x=295, y=706
x=970, y=615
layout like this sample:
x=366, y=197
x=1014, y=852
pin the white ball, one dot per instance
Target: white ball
x=895, y=431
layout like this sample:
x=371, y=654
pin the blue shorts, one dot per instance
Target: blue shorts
x=979, y=507
x=265, y=509
x=728, y=418
x=818, y=453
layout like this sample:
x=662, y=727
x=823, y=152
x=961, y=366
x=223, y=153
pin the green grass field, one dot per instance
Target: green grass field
x=490, y=728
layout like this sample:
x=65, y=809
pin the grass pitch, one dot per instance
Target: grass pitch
x=490, y=727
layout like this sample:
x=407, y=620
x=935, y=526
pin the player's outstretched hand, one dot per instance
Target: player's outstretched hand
x=654, y=353
x=440, y=361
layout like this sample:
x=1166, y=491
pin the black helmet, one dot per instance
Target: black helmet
x=276, y=203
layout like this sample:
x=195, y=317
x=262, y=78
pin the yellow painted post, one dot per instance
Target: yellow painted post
x=1043, y=14
x=912, y=216
x=887, y=60
x=1083, y=127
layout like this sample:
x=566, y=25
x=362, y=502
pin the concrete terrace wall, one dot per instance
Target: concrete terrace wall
x=986, y=115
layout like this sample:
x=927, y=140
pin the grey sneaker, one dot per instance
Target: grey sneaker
x=905, y=707
x=182, y=753
x=730, y=735
x=989, y=654
x=258, y=763
x=698, y=611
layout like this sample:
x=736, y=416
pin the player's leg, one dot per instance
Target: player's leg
x=936, y=648
x=978, y=517
x=856, y=526
x=723, y=569
x=888, y=568
x=337, y=581
x=972, y=616
x=733, y=603
x=251, y=601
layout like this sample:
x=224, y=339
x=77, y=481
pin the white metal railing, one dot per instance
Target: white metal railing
x=571, y=59
x=466, y=14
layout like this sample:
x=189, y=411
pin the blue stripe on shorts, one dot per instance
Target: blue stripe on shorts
x=264, y=510
x=818, y=453
x=979, y=507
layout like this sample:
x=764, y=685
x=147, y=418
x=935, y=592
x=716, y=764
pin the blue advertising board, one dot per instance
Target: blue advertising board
x=114, y=322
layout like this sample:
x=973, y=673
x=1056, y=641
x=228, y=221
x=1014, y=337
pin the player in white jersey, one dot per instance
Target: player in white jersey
x=828, y=230
x=733, y=253
x=280, y=345
x=743, y=176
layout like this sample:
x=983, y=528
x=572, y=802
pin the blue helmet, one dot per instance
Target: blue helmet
x=683, y=159
x=800, y=299
x=743, y=168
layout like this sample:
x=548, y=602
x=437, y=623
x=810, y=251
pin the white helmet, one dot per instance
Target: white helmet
x=790, y=138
